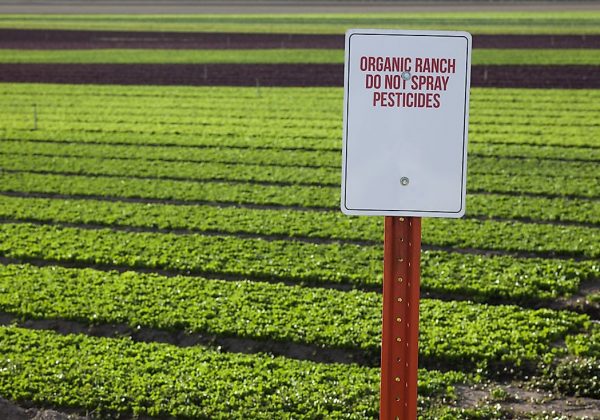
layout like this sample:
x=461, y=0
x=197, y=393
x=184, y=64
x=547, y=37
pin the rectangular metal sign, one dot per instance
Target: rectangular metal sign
x=406, y=109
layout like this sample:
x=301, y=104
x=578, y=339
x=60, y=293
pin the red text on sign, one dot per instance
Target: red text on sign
x=395, y=64
x=429, y=82
x=435, y=65
x=406, y=99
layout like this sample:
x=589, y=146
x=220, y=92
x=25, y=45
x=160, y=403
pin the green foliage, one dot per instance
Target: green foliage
x=507, y=22
x=303, y=224
x=481, y=330
x=281, y=117
x=533, y=162
x=534, y=208
x=573, y=376
x=578, y=374
x=593, y=297
x=183, y=161
x=460, y=334
x=502, y=157
x=551, y=153
x=163, y=380
x=499, y=394
x=489, y=205
x=481, y=277
x=274, y=56
x=587, y=344
x=487, y=175
x=227, y=308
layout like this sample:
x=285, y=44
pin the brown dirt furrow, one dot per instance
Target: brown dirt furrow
x=259, y=75
x=177, y=74
x=11, y=410
x=231, y=344
x=520, y=400
x=72, y=39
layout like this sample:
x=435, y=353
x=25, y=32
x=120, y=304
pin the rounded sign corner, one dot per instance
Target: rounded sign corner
x=345, y=209
x=466, y=35
x=461, y=213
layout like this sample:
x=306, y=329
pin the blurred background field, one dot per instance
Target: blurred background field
x=172, y=246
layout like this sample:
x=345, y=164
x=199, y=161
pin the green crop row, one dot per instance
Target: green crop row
x=223, y=136
x=267, y=125
x=486, y=205
x=274, y=56
x=117, y=377
x=161, y=56
x=553, y=108
x=587, y=345
x=478, y=22
x=275, y=111
x=293, y=151
x=480, y=154
x=220, y=128
x=533, y=151
x=577, y=376
x=324, y=166
x=497, y=180
x=170, y=119
x=66, y=134
x=172, y=190
x=256, y=154
x=283, y=100
x=262, y=123
x=451, y=333
x=186, y=171
x=539, y=107
x=483, y=235
x=299, y=179
x=319, y=104
x=486, y=278
x=289, y=141
x=556, y=186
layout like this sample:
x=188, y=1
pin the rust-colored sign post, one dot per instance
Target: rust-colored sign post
x=399, y=344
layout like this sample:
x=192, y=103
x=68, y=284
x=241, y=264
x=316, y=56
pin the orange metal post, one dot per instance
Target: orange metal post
x=399, y=344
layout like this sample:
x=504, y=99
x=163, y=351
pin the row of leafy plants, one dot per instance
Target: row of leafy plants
x=272, y=56
x=481, y=235
x=565, y=209
x=494, y=338
x=169, y=303
x=327, y=163
x=481, y=277
x=271, y=155
x=491, y=340
x=511, y=131
x=492, y=179
x=297, y=109
x=531, y=22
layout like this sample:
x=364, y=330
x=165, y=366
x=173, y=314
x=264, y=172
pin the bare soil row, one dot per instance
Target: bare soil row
x=293, y=75
x=72, y=39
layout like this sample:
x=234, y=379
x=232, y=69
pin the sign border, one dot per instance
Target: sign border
x=406, y=212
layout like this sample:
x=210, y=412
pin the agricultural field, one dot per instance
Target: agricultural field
x=172, y=247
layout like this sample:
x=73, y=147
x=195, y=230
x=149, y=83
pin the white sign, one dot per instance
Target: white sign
x=406, y=109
